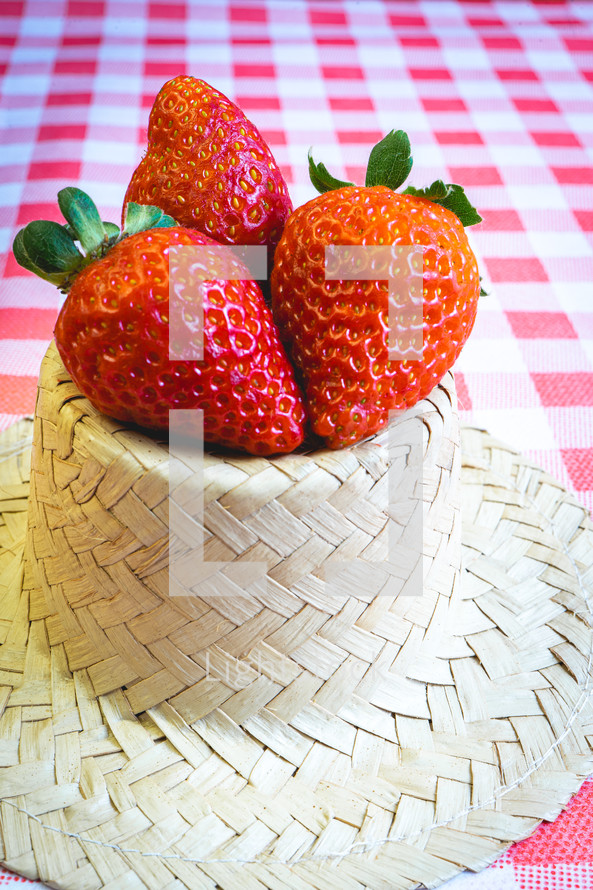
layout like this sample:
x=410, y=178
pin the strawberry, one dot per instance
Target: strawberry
x=336, y=331
x=208, y=166
x=113, y=329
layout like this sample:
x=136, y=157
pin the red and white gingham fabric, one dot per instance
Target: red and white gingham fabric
x=495, y=95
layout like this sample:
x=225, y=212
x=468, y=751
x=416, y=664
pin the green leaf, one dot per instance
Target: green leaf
x=322, y=178
x=111, y=230
x=50, y=248
x=140, y=217
x=24, y=260
x=450, y=196
x=83, y=218
x=390, y=161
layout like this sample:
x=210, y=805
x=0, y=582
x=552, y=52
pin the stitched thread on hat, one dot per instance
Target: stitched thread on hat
x=360, y=847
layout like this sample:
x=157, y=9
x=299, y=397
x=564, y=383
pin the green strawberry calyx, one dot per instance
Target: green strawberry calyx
x=390, y=163
x=57, y=253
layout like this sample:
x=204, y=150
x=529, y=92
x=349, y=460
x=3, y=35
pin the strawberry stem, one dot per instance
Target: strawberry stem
x=390, y=162
x=50, y=250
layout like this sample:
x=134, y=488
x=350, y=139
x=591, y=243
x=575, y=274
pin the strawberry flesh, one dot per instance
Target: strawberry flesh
x=113, y=336
x=336, y=331
x=209, y=167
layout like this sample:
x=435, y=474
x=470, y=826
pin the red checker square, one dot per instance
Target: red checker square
x=264, y=103
x=27, y=324
x=584, y=219
x=500, y=221
x=444, y=104
x=579, y=464
x=248, y=14
x=573, y=175
x=75, y=66
x=430, y=74
x=359, y=137
x=538, y=106
x=564, y=390
x=463, y=396
x=579, y=44
x=251, y=41
x=49, y=132
x=515, y=269
x=12, y=268
x=588, y=75
x=501, y=42
x=555, y=139
x=335, y=41
x=350, y=103
x=29, y=212
x=76, y=40
x=427, y=41
x=166, y=11
x=165, y=70
x=327, y=17
x=458, y=137
x=475, y=175
x=406, y=21
x=342, y=72
x=355, y=173
x=12, y=8
x=165, y=41
x=85, y=8
x=274, y=137
x=57, y=100
x=489, y=22
x=66, y=170
x=287, y=173
x=516, y=74
x=541, y=325
x=7, y=40
x=17, y=394
x=567, y=21
x=264, y=71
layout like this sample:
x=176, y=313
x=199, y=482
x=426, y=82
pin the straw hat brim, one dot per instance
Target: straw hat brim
x=94, y=795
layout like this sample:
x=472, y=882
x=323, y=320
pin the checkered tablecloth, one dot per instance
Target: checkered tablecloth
x=495, y=95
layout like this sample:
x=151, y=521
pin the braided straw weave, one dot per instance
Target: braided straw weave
x=291, y=739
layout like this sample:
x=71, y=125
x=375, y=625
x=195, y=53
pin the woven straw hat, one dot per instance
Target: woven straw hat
x=289, y=739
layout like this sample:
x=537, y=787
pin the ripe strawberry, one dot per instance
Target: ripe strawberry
x=336, y=331
x=113, y=329
x=208, y=167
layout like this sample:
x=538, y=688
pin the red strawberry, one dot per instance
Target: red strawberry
x=208, y=167
x=113, y=330
x=336, y=331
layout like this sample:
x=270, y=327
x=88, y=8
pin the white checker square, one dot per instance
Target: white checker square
x=544, y=196
x=472, y=58
x=11, y=194
x=496, y=355
x=25, y=84
x=375, y=56
x=516, y=155
x=17, y=153
x=560, y=244
x=290, y=53
x=522, y=428
x=501, y=121
x=547, y=60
